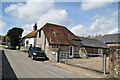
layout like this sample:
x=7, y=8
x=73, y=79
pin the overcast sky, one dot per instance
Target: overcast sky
x=82, y=18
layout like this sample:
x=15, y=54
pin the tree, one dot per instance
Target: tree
x=94, y=37
x=5, y=38
x=15, y=35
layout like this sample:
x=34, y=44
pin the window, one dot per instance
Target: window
x=54, y=33
x=39, y=34
x=83, y=51
x=100, y=51
x=71, y=51
x=27, y=42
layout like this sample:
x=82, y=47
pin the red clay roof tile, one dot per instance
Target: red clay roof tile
x=57, y=34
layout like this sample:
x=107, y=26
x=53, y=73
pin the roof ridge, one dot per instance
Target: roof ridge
x=111, y=34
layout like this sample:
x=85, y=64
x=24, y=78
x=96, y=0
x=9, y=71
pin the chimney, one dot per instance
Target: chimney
x=35, y=27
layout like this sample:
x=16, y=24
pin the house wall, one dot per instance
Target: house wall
x=76, y=49
x=52, y=50
x=30, y=41
x=65, y=48
x=93, y=50
x=112, y=45
x=43, y=43
x=40, y=41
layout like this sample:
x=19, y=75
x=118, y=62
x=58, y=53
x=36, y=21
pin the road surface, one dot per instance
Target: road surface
x=20, y=66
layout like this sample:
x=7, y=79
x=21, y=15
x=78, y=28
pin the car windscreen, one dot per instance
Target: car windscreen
x=36, y=49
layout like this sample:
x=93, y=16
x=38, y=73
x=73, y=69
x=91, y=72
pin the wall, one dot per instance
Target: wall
x=50, y=54
x=65, y=48
x=94, y=50
x=113, y=45
x=114, y=62
x=30, y=41
x=90, y=50
x=40, y=41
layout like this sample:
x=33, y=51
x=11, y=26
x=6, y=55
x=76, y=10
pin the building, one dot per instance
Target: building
x=30, y=39
x=89, y=46
x=56, y=39
x=112, y=40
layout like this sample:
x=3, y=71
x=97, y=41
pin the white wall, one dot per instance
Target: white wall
x=40, y=40
x=30, y=41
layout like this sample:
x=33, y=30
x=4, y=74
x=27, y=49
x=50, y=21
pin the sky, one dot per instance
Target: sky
x=80, y=17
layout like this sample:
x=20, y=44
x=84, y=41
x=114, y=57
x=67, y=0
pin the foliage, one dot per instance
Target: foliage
x=14, y=36
x=94, y=37
x=24, y=50
x=5, y=38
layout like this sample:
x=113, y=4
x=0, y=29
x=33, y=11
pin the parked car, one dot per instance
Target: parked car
x=10, y=47
x=36, y=52
x=7, y=46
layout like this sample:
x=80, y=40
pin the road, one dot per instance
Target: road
x=21, y=66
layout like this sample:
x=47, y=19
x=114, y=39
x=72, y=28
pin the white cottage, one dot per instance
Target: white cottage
x=30, y=39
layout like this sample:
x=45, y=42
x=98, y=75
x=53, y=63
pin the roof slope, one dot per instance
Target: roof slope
x=111, y=38
x=92, y=43
x=57, y=34
x=32, y=34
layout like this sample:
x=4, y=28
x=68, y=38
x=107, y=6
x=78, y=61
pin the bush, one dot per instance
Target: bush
x=24, y=50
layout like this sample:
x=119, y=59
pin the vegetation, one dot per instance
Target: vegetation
x=14, y=36
x=5, y=38
x=94, y=37
x=24, y=50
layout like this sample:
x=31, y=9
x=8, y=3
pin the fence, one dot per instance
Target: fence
x=96, y=62
x=63, y=57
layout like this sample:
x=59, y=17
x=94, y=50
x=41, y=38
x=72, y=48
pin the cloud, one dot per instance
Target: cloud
x=115, y=13
x=102, y=25
x=29, y=11
x=115, y=30
x=41, y=12
x=27, y=29
x=91, y=5
x=55, y=16
x=2, y=26
x=79, y=30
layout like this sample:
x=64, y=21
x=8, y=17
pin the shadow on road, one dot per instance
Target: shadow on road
x=42, y=59
x=7, y=71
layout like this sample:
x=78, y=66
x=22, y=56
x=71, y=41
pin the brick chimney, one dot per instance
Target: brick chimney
x=35, y=27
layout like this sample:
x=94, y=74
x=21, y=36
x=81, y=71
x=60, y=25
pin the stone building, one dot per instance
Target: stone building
x=55, y=39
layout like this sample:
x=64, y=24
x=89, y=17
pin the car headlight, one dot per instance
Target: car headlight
x=34, y=54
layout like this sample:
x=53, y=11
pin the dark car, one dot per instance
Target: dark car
x=10, y=47
x=36, y=52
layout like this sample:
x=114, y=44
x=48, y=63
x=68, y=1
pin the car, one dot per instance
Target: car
x=36, y=52
x=7, y=46
x=10, y=47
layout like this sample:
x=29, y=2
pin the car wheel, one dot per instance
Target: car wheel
x=28, y=55
x=46, y=58
x=33, y=57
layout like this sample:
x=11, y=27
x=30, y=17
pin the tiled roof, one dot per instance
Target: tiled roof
x=92, y=43
x=57, y=34
x=32, y=34
x=111, y=38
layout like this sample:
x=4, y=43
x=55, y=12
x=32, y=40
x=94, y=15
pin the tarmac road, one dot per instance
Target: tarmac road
x=21, y=66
